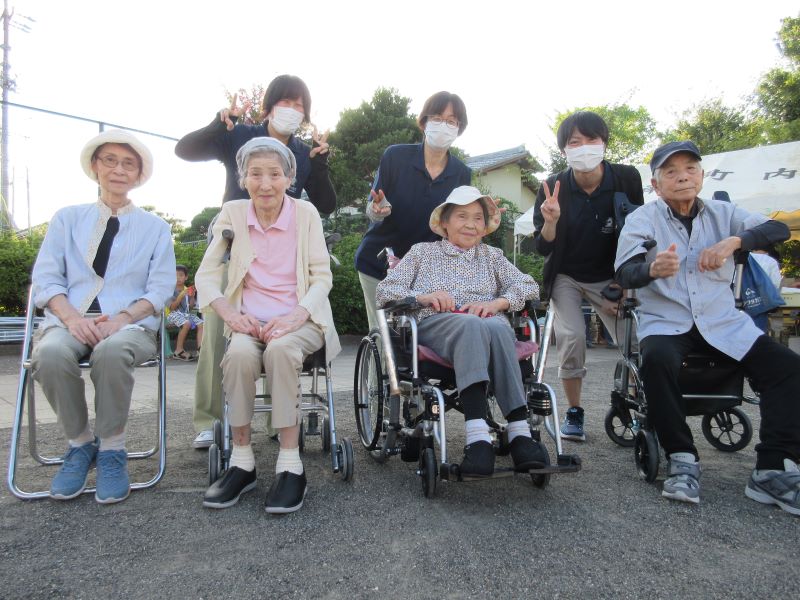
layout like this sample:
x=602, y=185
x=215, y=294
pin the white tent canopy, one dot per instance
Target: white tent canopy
x=762, y=180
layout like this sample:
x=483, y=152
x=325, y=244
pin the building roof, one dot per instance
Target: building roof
x=495, y=160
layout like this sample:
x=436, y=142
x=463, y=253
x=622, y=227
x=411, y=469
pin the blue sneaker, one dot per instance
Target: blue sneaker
x=572, y=429
x=70, y=480
x=113, y=484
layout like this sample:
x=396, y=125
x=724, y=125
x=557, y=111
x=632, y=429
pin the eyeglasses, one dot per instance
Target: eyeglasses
x=451, y=122
x=111, y=162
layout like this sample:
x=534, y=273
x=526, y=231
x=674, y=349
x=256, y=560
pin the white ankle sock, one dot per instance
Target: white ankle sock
x=113, y=442
x=686, y=457
x=477, y=430
x=515, y=428
x=289, y=460
x=84, y=437
x=243, y=457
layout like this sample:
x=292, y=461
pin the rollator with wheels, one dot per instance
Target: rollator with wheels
x=403, y=390
x=26, y=403
x=712, y=386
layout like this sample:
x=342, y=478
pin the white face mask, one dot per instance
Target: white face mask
x=440, y=136
x=585, y=158
x=286, y=120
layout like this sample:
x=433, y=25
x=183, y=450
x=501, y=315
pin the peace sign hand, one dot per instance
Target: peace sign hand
x=234, y=111
x=320, y=143
x=551, y=209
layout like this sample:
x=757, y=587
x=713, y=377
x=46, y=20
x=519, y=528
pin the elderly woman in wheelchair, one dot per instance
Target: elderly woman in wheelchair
x=462, y=289
x=102, y=275
x=276, y=311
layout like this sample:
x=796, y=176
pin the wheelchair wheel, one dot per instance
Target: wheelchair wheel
x=326, y=434
x=216, y=428
x=301, y=439
x=369, y=393
x=214, y=463
x=428, y=472
x=617, y=430
x=542, y=480
x=346, y=461
x=645, y=452
x=728, y=430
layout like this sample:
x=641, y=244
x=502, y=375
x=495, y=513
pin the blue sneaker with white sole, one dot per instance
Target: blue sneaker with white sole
x=70, y=480
x=572, y=429
x=113, y=483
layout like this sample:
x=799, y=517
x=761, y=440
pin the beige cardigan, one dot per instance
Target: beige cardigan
x=314, y=279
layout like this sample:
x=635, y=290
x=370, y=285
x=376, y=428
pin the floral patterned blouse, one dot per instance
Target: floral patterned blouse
x=479, y=274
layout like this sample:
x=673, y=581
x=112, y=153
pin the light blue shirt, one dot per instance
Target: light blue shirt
x=141, y=264
x=671, y=305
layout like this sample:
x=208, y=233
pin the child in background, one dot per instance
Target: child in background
x=180, y=316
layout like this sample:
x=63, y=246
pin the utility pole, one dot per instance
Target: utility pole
x=6, y=83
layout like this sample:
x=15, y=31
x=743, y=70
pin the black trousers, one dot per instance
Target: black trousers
x=773, y=369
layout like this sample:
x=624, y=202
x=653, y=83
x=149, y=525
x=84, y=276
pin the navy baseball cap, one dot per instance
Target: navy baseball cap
x=663, y=152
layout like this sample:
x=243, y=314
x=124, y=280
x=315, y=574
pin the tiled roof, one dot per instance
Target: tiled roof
x=495, y=160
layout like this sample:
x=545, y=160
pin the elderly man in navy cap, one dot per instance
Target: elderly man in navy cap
x=687, y=305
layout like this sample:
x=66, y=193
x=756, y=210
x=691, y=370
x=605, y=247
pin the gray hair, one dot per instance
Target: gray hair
x=265, y=146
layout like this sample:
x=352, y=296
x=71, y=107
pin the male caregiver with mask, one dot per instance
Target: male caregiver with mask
x=576, y=229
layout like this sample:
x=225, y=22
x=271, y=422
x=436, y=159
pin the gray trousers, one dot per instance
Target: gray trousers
x=55, y=359
x=479, y=350
x=368, y=286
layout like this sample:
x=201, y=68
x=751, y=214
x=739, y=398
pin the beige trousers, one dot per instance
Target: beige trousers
x=368, y=286
x=282, y=360
x=55, y=359
x=570, y=327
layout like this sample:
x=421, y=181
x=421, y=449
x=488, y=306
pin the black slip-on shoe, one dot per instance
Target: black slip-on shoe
x=286, y=493
x=528, y=454
x=478, y=460
x=227, y=490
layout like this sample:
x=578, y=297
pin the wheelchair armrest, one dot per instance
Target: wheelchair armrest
x=403, y=305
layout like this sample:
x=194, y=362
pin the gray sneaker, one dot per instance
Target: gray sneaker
x=683, y=482
x=777, y=487
x=203, y=440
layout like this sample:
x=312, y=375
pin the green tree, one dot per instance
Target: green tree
x=198, y=228
x=17, y=255
x=175, y=225
x=360, y=138
x=715, y=128
x=346, y=297
x=632, y=131
x=778, y=93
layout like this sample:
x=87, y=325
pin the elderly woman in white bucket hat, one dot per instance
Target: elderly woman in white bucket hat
x=276, y=311
x=102, y=275
x=464, y=287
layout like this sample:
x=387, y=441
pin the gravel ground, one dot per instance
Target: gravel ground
x=601, y=532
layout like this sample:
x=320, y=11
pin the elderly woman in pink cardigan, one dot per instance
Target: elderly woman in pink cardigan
x=276, y=311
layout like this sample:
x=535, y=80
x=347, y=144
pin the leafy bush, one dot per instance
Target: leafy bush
x=190, y=256
x=17, y=256
x=532, y=264
x=347, y=299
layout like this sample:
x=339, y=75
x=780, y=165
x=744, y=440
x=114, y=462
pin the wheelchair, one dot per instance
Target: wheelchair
x=26, y=402
x=712, y=385
x=313, y=404
x=402, y=391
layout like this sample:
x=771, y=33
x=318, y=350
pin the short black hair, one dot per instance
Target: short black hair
x=287, y=87
x=588, y=123
x=436, y=105
x=182, y=268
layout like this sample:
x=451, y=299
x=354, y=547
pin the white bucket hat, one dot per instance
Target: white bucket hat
x=117, y=136
x=463, y=195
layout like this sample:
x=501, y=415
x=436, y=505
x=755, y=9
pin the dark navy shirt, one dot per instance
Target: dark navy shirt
x=413, y=195
x=215, y=142
x=591, y=238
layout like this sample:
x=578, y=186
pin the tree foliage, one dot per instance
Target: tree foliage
x=360, y=138
x=778, y=93
x=198, y=228
x=632, y=132
x=17, y=255
x=715, y=128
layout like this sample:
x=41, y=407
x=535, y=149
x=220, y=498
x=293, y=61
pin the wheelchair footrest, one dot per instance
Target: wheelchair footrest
x=567, y=463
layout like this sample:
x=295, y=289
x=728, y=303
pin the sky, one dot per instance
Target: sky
x=165, y=66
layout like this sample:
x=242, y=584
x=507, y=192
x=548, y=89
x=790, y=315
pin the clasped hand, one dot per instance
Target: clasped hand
x=441, y=301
